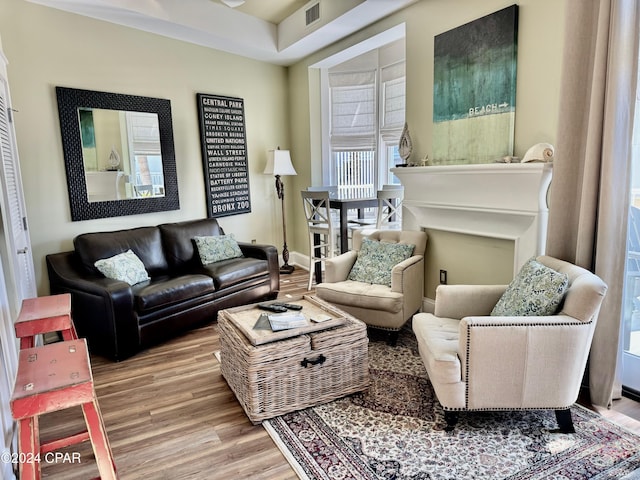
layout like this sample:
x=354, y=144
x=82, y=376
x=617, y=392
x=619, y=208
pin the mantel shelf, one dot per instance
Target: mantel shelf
x=507, y=201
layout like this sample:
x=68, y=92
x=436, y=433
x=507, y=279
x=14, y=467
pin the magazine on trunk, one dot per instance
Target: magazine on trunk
x=285, y=321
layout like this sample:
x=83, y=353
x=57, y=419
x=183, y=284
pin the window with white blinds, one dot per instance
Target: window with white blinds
x=367, y=114
x=353, y=111
x=392, y=79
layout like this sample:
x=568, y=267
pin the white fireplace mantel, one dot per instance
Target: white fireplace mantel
x=498, y=200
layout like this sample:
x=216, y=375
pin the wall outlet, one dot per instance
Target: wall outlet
x=253, y=241
x=443, y=277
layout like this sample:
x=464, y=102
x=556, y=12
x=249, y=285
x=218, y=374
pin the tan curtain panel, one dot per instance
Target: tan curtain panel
x=589, y=195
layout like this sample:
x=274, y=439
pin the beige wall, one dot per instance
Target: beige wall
x=540, y=39
x=455, y=252
x=47, y=47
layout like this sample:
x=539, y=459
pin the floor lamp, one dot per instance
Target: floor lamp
x=279, y=164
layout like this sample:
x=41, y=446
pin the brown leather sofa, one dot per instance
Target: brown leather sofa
x=119, y=320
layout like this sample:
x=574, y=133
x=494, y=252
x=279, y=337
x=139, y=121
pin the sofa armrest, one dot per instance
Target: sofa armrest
x=102, y=308
x=336, y=269
x=458, y=301
x=255, y=250
x=523, y=362
x=268, y=253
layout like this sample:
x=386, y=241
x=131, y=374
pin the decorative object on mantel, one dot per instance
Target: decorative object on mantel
x=114, y=159
x=405, y=145
x=509, y=159
x=279, y=163
x=540, y=152
x=426, y=162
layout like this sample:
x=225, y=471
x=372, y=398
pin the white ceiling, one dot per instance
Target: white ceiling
x=269, y=30
x=272, y=11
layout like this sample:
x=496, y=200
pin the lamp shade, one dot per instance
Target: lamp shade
x=279, y=163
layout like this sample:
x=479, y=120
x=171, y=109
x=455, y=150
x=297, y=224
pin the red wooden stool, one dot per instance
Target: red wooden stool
x=51, y=378
x=43, y=315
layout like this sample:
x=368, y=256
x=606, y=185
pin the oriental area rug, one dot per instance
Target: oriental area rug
x=395, y=430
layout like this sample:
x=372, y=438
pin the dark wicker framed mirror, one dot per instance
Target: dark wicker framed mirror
x=118, y=152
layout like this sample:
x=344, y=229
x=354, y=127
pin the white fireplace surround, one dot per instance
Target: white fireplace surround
x=501, y=200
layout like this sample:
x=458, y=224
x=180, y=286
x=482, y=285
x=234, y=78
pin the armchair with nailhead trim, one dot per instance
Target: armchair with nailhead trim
x=477, y=361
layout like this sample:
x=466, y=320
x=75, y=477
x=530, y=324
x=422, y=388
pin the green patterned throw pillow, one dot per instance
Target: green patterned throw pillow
x=376, y=260
x=536, y=291
x=126, y=267
x=216, y=248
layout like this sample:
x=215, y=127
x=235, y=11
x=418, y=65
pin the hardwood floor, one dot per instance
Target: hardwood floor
x=170, y=415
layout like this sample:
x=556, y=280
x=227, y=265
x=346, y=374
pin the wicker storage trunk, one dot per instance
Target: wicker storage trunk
x=299, y=372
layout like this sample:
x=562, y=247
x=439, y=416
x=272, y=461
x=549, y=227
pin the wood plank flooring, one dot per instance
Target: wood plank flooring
x=170, y=415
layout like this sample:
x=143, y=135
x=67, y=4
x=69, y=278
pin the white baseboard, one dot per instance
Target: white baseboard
x=299, y=260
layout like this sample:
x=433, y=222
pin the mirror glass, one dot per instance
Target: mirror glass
x=119, y=153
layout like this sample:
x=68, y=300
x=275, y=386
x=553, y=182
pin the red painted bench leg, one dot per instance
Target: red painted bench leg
x=28, y=448
x=101, y=448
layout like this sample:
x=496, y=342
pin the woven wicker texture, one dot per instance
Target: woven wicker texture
x=299, y=372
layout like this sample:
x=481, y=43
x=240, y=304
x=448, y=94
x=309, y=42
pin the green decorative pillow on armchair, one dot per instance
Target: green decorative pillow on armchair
x=536, y=291
x=376, y=260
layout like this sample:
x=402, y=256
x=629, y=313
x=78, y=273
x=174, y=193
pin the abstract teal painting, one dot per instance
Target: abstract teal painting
x=474, y=90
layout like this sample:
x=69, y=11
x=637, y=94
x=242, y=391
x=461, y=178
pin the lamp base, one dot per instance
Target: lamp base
x=287, y=269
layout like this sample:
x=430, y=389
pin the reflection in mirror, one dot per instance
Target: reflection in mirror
x=118, y=152
x=110, y=175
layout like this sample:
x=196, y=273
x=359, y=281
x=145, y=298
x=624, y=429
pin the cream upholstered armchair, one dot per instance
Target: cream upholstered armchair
x=380, y=281
x=479, y=361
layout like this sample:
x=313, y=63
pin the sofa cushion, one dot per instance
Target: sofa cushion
x=217, y=248
x=362, y=295
x=230, y=272
x=177, y=238
x=376, y=260
x=145, y=242
x=126, y=267
x=169, y=291
x=438, y=345
x=536, y=291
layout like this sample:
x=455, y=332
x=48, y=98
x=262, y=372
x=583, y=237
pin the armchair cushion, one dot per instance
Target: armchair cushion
x=361, y=295
x=438, y=339
x=536, y=291
x=376, y=260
